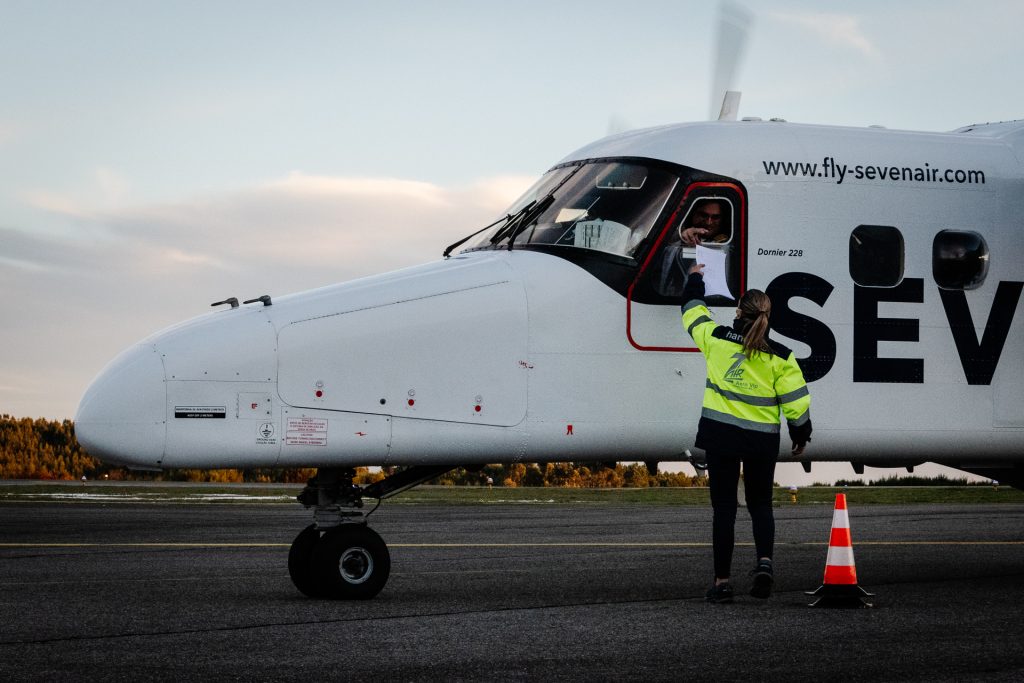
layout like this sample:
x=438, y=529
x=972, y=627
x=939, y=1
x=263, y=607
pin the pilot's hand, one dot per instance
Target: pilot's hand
x=691, y=236
x=696, y=268
x=798, y=448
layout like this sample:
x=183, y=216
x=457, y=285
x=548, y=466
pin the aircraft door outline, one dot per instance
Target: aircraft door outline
x=644, y=320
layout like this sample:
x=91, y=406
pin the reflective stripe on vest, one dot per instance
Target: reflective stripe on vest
x=766, y=427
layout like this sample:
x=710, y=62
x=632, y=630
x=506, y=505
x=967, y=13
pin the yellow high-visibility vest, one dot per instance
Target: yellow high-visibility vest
x=748, y=392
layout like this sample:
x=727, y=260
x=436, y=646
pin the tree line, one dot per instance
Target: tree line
x=47, y=449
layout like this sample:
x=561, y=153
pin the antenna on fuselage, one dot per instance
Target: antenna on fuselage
x=734, y=23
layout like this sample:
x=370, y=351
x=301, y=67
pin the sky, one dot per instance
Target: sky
x=156, y=156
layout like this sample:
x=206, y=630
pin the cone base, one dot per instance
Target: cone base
x=850, y=596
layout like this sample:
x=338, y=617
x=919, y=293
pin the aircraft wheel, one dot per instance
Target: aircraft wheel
x=300, y=561
x=351, y=562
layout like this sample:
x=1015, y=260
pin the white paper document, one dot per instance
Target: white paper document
x=715, y=281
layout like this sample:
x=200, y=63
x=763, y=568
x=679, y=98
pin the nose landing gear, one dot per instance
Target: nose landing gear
x=339, y=557
x=350, y=562
x=346, y=562
x=300, y=561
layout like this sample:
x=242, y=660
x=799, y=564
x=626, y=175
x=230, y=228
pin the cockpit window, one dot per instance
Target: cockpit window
x=707, y=222
x=602, y=206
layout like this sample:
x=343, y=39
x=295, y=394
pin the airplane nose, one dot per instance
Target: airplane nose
x=122, y=418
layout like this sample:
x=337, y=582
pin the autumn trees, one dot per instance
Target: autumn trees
x=47, y=449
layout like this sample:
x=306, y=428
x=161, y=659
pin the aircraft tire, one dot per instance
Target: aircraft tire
x=351, y=562
x=300, y=561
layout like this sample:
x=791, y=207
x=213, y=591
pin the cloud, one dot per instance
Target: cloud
x=500, y=191
x=106, y=189
x=20, y=264
x=41, y=253
x=344, y=224
x=22, y=388
x=833, y=29
x=8, y=131
x=53, y=202
x=173, y=255
x=300, y=221
x=298, y=183
x=113, y=188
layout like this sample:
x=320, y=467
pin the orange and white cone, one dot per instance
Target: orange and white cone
x=840, y=588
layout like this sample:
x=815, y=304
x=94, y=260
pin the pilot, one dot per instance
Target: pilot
x=750, y=378
x=706, y=224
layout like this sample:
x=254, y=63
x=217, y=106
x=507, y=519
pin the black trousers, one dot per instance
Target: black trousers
x=758, y=477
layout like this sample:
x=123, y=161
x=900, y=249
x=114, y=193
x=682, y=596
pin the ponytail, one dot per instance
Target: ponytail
x=755, y=307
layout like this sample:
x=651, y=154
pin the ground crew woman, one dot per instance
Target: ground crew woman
x=749, y=378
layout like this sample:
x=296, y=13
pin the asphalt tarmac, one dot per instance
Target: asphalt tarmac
x=512, y=592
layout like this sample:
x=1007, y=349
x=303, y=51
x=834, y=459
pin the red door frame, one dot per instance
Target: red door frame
x=742, y=224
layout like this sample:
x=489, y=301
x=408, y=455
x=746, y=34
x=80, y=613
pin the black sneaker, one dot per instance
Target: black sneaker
x=719, y=593
x=763, y=580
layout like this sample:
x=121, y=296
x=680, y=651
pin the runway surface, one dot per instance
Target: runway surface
x=574, y=592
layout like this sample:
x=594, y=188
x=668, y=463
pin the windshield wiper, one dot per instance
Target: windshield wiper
x=456, y=245
x=513, y=220
x=531, y=211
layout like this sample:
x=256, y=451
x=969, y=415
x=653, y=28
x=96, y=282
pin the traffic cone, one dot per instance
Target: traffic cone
x=840, y=588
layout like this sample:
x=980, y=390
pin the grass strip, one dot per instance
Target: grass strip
x=176, y=493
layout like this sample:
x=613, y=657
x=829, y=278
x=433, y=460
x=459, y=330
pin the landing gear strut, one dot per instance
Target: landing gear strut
x=338, y=556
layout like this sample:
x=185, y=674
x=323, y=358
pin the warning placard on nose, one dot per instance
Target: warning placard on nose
x=306, y=431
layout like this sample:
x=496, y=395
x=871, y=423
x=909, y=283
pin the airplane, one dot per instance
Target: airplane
x=554, y=333
x=893, y=260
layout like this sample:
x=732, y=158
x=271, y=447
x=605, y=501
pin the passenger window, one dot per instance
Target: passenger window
x=876, y=256
x=959, y=259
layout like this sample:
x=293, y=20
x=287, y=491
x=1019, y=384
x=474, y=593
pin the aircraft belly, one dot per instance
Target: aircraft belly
x=457, y=356
x=950, y=444
x=432, y=442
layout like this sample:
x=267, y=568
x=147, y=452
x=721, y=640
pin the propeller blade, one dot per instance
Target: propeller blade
x=617, y=124
x=734, y=23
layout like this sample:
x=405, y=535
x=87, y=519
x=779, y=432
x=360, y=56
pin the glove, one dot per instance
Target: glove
x=800, y=436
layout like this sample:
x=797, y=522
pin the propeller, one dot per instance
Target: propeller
x=734, y=23
x=617, y=124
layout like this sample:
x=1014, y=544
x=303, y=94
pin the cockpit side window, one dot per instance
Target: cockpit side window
x=709, y=222
x=706, y=222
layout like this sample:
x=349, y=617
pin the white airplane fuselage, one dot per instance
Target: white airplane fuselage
x=537, y=354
